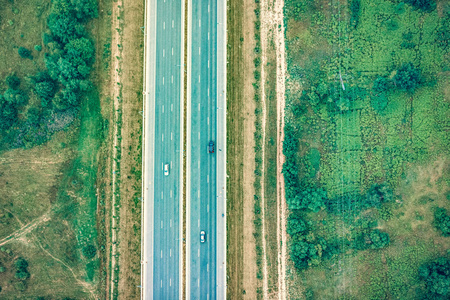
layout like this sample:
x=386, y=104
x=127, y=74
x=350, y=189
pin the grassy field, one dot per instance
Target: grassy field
x=353, y=134
x=49, y=206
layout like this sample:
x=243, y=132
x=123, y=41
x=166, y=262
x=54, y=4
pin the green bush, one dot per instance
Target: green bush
x=374, y=239
x=13, y=81
x=24, y=53
x=355, y=12
x=437, y=277
x=425, y=5
x=89, y=251
x=442, y=221
x=296, y=225
x=407, y=77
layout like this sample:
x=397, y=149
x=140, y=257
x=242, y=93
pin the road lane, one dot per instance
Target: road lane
x=163, y=140
x=201, y=279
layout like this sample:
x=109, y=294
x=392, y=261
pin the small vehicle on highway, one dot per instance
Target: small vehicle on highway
x=202, y=236
x=166, y=170
x=211, y=147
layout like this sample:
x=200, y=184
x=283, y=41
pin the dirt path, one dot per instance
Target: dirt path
x=24, y=229
x=281, y=201
x=265, y=24
x=116, y=83
x=272, y=29
x=88, y=287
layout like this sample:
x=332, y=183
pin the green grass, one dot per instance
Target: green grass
x=54, y=183
x=405, y=145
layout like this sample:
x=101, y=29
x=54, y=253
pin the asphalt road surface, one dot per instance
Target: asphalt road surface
x=202, y=166
x=163, y=142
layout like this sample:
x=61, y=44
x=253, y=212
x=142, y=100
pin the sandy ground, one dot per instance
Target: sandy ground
x=249, y=281
x=281, y=200
x=272, y=28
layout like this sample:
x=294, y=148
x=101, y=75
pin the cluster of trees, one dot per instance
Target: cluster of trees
x=372, y=239
x=355, y=6
x=425, y=5
x=21, y=269
x=71, y=53
x=307, y=250
x=407, y=79
x=303, y=195
x=442, y=221
x=353, y=203
x=11, y=99
x=436, y=275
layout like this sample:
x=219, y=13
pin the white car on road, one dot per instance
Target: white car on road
x=166, y=170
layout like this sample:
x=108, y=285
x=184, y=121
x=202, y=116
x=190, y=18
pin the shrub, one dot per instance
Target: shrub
x=13, y=81
x=24, y=53
x=302, y=252
x=437, y=277
x=89, y=251
x=355, y=11
x=442, y=221
x=296, y=225
x=381, y=84
x=424, y=5
x=38, y=48
x=374, y=239
x=15, y=97
x=407, y=77
x=8, y=113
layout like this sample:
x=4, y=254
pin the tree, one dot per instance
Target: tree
x=33, y=115
x=374, y=239
x=379, y=102
x=21, y=264
x=424, y=5
x=355, y=11
x=13, y=81
x=381, y=84
x=442, y=221
x=80, y=49
x=309, y=198
x=25, y=53
x=8, y=113
x=296, y=224
x=15, y=97
x=45, y=90
x=65, y=27
x=85, y=9
x=437, y=277
x=22, y=274
x=302, y=252
x=89, y=251
x=407, y=77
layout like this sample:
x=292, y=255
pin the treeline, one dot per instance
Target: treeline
x=68, y=60
x=71, y=54
x=303, y=195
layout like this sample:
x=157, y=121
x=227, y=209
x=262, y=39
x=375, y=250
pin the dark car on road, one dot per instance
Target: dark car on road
x=202, y=236
x=211, y=147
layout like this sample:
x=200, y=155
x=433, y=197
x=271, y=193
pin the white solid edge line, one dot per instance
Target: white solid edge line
x=188, y=153
x=180, y=281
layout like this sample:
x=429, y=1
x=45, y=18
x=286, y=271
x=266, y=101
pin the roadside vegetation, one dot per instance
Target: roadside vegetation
x=366, y=146
x=51, y=130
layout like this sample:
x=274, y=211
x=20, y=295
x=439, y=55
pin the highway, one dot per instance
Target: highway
x=161, y=244
x=205, y=184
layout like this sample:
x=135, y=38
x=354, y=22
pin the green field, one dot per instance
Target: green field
x=367, y=147
x=48, y=164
